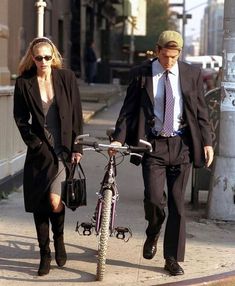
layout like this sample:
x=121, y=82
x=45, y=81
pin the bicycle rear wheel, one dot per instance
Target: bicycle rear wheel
x=104, y=234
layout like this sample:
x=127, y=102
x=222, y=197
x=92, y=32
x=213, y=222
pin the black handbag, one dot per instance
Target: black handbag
x=74, y=188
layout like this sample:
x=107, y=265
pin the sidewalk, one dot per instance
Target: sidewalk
x=210, y=247
x=97, y=97
x=209, y=260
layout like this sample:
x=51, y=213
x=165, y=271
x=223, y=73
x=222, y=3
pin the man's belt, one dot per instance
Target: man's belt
x=179, y=132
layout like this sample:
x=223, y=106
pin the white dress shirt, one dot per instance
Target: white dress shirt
x=158, y=92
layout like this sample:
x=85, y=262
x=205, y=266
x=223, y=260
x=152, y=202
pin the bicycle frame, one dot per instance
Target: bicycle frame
x=108, y=183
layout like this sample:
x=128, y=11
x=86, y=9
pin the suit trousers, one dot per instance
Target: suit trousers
x=169, y=165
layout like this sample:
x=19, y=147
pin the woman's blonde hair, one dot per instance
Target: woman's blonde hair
x=27, y=62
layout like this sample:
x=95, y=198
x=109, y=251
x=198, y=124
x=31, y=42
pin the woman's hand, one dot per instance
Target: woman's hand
x=209, y=155
x=76, y=157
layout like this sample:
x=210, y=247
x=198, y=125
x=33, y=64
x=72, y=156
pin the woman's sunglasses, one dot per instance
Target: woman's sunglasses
x=40, y=58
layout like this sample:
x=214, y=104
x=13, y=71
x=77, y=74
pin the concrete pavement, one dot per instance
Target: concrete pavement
x=210, y=249
x=96, y=97
x=209, y=257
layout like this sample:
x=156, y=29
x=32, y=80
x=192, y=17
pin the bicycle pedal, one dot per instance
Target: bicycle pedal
x=121, y=233
x=86, y=227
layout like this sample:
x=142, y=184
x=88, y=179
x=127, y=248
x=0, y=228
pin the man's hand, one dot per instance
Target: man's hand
x=112, y=151
x=76, y=157
x=209, y=155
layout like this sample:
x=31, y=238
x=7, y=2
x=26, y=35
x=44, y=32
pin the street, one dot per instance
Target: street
x=210, y=248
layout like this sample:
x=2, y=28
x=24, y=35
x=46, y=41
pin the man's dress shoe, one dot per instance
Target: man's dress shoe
x=150, y=248
x=172, y=266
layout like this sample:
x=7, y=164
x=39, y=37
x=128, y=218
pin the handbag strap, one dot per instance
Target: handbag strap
x=81, y=169
x=72, y=171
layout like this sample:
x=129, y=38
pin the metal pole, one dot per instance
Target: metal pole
x=132, y=46
x=184, y=21
x=40, y=4
x=132, y=40
x=221, y=201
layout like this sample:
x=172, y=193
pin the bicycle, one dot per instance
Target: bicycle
x=104, y=216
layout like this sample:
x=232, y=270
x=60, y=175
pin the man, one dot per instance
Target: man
x=90, y=62
x=165, y=105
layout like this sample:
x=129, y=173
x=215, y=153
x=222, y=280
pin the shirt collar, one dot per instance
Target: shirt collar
x=159, y=70
x=175, y=69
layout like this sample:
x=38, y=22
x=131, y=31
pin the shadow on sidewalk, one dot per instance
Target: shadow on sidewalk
x=20, y=255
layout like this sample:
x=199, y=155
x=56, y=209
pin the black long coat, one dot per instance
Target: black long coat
x=137, y=113
x=41, y=164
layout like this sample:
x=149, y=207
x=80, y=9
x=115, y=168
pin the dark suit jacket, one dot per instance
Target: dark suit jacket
x=137, y=113
x=41, y=162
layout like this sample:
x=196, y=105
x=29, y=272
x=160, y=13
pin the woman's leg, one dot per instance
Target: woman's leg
x=56, y=203
x=57, y=222
x=56, y=188
x=42, y=228
x=57, y=215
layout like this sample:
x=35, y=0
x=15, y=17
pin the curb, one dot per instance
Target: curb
x=223, y=279
x=97, y=97
x=90, y=109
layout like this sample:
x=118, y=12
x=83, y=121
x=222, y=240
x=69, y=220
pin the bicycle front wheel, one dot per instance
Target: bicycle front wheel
x=104, y=234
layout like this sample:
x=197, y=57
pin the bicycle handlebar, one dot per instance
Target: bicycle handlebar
x=102, y=147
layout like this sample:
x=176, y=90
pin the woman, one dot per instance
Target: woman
x=47, y=111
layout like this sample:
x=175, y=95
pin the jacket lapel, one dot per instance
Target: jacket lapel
x=184, y=80
x=34, y=94
x=59, y=91
x=147, y=79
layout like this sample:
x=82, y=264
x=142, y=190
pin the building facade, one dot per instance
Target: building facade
x=212, y=28
x=70, y=24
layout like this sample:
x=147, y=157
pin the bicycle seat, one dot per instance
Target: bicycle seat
x=110, y=131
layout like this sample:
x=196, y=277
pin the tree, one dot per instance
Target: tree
x=157, y=21
x=157, y=17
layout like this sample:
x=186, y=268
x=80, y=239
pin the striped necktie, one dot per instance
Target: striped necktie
x=168, y=128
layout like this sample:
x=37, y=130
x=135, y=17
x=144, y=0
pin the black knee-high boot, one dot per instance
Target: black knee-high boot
x=57, y=222
x=42, y=228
